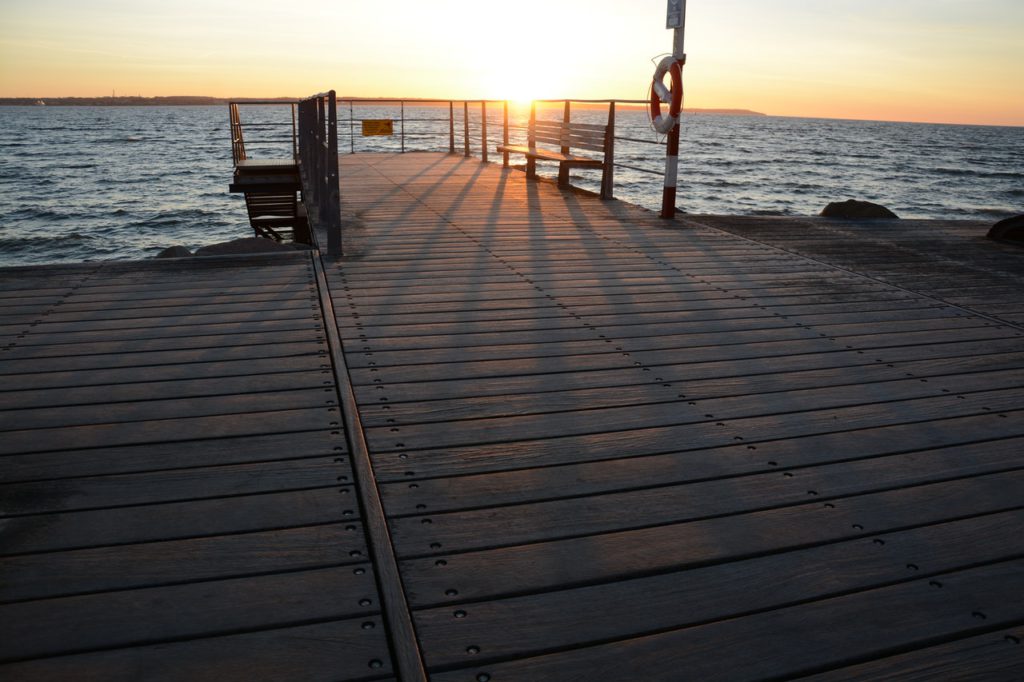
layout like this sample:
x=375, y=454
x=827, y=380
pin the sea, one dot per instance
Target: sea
x=100, y=183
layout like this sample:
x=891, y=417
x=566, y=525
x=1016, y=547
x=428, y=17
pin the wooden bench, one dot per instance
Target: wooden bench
x=271, y=188
x=567, y=136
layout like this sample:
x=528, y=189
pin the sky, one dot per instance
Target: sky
x=949, y=61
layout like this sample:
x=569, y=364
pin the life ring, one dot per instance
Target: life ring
x=672, y=96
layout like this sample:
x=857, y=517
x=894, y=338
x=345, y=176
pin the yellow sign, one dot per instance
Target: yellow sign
x=384, y=126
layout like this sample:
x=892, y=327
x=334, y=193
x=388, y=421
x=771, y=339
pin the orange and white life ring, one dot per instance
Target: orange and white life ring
x=673, y=96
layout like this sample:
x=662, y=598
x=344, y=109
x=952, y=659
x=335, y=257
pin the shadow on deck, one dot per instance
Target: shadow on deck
x=607, y=448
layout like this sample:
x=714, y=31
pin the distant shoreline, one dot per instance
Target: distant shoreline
x=175, y=100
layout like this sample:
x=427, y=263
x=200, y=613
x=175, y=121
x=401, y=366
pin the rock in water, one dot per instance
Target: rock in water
x=1009, y=230
x=174, y=252
x=243, y=246
x=857, y=210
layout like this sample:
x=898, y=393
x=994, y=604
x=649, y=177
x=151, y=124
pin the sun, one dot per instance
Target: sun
x=523, y=80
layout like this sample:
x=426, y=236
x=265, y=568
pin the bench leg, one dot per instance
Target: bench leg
x=531, y=168
x=563, y=176
x=607, y=181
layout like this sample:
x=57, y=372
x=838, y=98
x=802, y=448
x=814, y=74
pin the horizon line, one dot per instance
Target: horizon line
x=630, y=103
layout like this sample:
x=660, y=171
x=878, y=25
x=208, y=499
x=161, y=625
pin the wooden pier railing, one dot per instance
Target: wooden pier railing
x=318, y=165
x=295, y=193
x=314, y=142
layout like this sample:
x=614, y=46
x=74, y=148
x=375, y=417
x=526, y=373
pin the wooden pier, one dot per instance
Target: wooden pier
x=516, y=433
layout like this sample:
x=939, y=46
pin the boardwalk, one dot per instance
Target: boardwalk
x=605, y=449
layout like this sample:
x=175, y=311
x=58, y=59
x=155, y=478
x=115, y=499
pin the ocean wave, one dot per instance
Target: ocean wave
x=45, y=242
x=116, y=140
x=37, y=214
x=970, y=172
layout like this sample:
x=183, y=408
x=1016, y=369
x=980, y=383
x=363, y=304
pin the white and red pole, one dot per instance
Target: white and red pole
x=676, y=21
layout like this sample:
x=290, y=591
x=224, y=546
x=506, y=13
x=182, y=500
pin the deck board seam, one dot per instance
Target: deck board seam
x=396, y=610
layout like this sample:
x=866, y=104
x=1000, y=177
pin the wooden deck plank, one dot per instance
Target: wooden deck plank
x=606, y=557
x=324, y=652
x=788, y=414
x=537, y=624
x=918, y=614
x=178, y=520
x=139, y=616
x=72, y=462
x=897, y=346
x=871, y=378
x=44, y=334
x=612, y=323
x=266, y=420
x=309, y=394
x=27, y=372
x=481, y=490
x=993, y=656
x=170, y=485
x=602, y=444
x=739, y=343
x=250, y=382
x=151, y=564
x=458, y=531
x=799, y=370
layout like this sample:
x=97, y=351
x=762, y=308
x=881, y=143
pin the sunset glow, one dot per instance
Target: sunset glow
x=935, y=60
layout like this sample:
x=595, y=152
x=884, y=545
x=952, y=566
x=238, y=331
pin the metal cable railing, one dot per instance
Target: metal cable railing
x=474, y=127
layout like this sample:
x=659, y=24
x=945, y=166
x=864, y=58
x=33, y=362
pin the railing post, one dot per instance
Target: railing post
x=351, y=128
x=483, y=131
x=403, y=126
x=608, y=174
x=531, y=141
x=451, y=127
x=318, y=157
x=668, y=197
x=295, y=136
x=504, y=133
x=563, y=170
x=332, y=219
x=465, y=128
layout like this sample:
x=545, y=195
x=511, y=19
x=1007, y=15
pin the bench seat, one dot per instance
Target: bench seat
x=246, y=166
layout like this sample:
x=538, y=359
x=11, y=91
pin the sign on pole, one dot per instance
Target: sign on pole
x=378, y=127
x=676, y=14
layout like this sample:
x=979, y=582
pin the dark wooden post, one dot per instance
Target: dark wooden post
x=295, y=135
x=563, y=169
x=531, y=141
x=332, y=211
x=403, y=127
x=504, y=134
x=483, y=131
x=351, y=128
x=465, y=128
x=608, y=174
x=451, y=127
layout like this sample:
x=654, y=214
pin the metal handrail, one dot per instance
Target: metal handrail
x=472, y=127
x=238, y=143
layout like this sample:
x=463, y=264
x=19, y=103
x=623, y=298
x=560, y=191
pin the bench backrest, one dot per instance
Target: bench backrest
x=590, y=136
